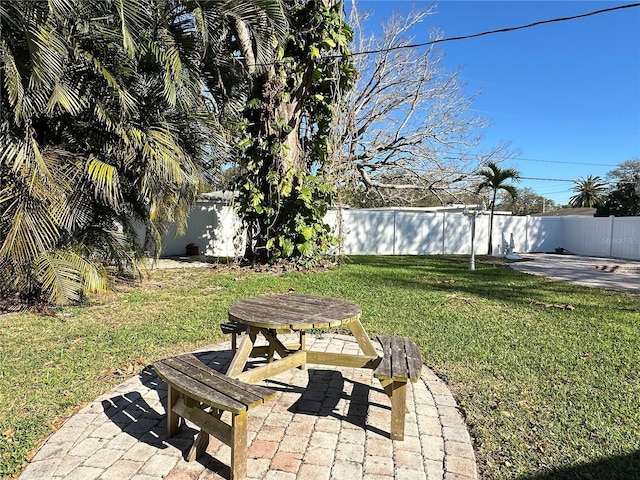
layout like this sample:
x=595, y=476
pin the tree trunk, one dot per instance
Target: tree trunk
x=493, y=207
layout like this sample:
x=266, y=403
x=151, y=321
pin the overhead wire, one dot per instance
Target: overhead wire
x=492, y=32
x=473, y=35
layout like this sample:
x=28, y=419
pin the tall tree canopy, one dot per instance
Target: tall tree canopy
x=109, y=114
x=590, y=192
x=526, y=202
x=623, y=198
x=495, y=179
x=627, y=171
x=407, y=126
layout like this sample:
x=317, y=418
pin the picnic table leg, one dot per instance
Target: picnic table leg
x=242, y=354
x=202, y=439
x=234, y=342
x=239, y=445
x=275, y=345
x=303, y=340
x=362, y=338
x=173, y=419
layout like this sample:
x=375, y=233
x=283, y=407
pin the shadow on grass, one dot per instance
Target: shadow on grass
x=623, y=467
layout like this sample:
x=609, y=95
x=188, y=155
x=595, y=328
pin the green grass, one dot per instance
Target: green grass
x=547, y=393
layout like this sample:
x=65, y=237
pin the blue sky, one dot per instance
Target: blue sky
x=566, y=95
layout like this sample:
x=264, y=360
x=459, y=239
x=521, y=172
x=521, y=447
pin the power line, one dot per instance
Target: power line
x=466, y=37
x=488, y=32
x=565, y=163
x=475, y=174
x=547, y=179
x=461, y=154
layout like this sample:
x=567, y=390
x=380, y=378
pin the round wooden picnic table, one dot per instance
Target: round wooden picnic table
x=294, y=312
x=272, y=315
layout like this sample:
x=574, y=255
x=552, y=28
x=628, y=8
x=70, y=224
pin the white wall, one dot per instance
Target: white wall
x=212, y=226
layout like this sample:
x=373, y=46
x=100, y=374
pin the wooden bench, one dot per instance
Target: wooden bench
x=401, y=361
x=192, y=388
x=235, y=329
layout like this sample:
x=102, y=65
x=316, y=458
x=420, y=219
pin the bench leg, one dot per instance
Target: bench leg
x=199, y=446
x=173, y=419
x=397, y=393
x=239, y=445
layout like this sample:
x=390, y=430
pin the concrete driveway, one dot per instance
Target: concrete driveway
x=604, y=273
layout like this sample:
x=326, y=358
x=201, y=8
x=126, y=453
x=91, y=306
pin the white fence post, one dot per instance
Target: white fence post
x=611, y=236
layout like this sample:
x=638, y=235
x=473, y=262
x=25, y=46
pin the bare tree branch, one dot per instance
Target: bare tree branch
x=407, y=123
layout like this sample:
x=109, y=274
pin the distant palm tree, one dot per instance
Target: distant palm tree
x=590, y=192
x=495, y=178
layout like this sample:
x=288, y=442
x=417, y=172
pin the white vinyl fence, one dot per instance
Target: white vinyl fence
x=212, y=227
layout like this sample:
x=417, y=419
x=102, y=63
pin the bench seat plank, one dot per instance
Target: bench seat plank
x=188, y=375
x=384, y=367
x=250, y=395
x=414, y=361
x=399, y=368
x=401, y=359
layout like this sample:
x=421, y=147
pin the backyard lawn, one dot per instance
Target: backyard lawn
x=547, y=392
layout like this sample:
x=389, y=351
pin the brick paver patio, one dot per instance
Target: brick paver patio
x=327, y=423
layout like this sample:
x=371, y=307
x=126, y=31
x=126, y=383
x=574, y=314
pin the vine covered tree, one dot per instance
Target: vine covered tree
x=495, y=179
x=105, y=130
x=287, y=125
x=590, y=192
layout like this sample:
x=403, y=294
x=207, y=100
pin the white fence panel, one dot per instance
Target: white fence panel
x=584, y=235
x=544, y=234
x=504, y=229
x=457, y=234
x=418, y=233
x=368, y=232
x=624, y=240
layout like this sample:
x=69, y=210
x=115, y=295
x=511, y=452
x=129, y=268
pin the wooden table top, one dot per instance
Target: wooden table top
x=297, y=312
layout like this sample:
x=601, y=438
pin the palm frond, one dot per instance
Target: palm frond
x=131, y=19
x=12, y=80
x=66, y=98
x=65, y=276
x=49, y=55
x=31, y=233
x=106, y=181
x=60, y=279
x=126, y=99
x=63, y=9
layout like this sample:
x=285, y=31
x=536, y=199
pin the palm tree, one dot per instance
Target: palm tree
x=495, y=178
x=590, y=192
x=109, y=112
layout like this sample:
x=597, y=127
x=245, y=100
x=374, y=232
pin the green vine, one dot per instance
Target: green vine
x=287, y=123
